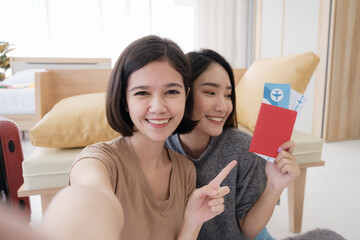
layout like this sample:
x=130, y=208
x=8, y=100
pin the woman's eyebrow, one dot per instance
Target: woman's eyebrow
x=145, y=87
x=211, y=84
x=215, y=85
x=176, y=85
x=142, y=87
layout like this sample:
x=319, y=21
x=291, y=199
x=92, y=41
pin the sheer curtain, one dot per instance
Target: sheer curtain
x=92, y=28
x=226, y=27
x=103, y=28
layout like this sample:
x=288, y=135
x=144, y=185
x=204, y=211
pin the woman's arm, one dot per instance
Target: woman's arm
x=279, y=174
x=259, y=214
x=13, y=226
x=87, y=209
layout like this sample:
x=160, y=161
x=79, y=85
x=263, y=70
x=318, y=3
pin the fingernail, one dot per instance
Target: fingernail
x=279, y=149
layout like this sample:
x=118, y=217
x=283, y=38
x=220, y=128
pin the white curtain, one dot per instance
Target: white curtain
x=226, y=27
x=103, y=28
x=92, y=28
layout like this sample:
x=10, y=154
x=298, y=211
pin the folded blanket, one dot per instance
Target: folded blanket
x=317, y=234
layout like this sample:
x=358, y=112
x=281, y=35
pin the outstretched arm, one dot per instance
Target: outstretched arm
x=14, y=227
x=204, y=204
x=88, y=209
x=279, y=175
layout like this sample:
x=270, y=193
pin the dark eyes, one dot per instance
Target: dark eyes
x=172, y=91
x=213, y=94
x=209, y=93
x=142, y=93
x=169, y=92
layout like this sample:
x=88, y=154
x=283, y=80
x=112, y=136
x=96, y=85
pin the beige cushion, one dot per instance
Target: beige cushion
x=308, y=148
x=295, y=70
x=48, y=167
x=75, y=121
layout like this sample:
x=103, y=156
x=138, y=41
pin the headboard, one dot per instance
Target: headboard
x=23, y=63
x=54, y=85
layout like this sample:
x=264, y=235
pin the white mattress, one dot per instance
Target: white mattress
x=21, y=98
x=17, y=101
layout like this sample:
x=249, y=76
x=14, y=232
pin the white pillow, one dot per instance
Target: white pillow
x=25, y=77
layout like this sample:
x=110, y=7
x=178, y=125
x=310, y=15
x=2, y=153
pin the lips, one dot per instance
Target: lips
x=158, y=121
x=216, y=119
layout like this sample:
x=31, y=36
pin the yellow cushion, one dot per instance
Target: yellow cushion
x=294, y=69
x=74, y=122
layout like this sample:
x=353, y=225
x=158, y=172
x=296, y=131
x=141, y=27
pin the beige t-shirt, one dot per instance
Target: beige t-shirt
x=145, y=216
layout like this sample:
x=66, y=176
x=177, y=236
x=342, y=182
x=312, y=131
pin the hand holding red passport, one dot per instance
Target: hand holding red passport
x=274, y=124
x=273, y=127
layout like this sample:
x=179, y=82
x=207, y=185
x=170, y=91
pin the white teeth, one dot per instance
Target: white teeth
x=217, y=119
x=158, y=122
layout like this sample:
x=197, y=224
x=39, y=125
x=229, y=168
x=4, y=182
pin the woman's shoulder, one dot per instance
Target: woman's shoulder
x=173, y=142
x=106, y=148
x=235, y=134
x=111, y=144
x=237, y=142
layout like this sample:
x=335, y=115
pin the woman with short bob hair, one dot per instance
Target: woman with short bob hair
x=134, y=57
x=134, y=181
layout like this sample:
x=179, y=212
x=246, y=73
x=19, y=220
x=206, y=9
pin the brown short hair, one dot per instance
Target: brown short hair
x=135, y=56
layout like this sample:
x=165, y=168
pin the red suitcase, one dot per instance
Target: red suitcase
x=11, y=176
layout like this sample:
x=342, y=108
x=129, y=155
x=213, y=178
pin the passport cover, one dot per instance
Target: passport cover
x=273, y=127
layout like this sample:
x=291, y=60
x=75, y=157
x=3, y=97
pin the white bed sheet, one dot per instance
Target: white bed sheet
x=21, y=98
x=17, y=101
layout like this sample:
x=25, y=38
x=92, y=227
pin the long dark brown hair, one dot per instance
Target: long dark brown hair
x=200, y=61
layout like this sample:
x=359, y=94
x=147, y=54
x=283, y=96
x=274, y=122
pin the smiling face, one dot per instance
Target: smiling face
x=156, y=100
x=212, y=100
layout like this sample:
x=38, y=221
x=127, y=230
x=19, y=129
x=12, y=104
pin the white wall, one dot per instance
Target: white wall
x=300, y=35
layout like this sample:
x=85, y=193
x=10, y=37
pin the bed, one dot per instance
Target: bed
x=18, y=100
x=46, y=170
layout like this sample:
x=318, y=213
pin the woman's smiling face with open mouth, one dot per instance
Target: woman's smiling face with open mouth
x=212, y=100
x=156, y=100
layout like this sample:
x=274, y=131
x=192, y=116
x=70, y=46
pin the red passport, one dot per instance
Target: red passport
x=273, y=127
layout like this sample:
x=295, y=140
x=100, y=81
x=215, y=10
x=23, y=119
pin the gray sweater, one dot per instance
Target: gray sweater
x=246, y=183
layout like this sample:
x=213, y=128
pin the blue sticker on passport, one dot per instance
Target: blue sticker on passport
x=277, y=94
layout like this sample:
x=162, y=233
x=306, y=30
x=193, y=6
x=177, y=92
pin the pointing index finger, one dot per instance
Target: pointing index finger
x=215, y=183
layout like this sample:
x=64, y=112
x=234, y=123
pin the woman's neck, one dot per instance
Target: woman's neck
x=149, y=152
x=194, y=144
